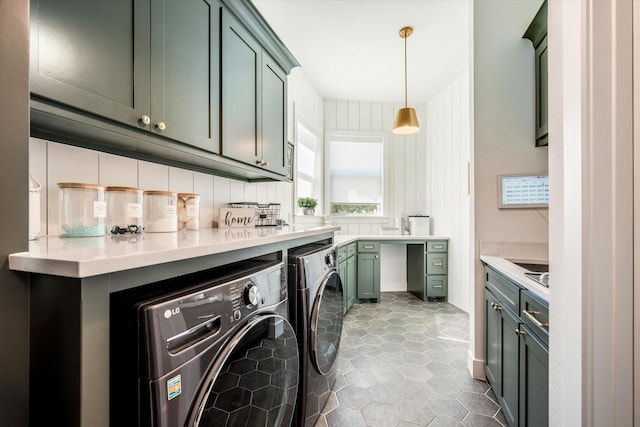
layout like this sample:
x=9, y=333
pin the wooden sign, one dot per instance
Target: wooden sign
x=237, y=218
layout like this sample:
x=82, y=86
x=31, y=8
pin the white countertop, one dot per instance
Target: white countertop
x=516, y=273
x=90, y=256
x=343, y=239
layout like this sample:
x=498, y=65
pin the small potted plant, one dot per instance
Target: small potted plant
x=308, y=205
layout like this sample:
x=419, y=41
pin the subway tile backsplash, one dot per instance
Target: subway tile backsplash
x=51, y=162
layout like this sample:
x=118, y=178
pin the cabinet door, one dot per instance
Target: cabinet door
x=352, y=280
x=534, y=380
x=274, y=116
x=342, y=272
x=185, y=71
x=492, y=341
x=509, y=349
x=542, y=91
x=369, y=276
x=240, y=89
x=93, y=56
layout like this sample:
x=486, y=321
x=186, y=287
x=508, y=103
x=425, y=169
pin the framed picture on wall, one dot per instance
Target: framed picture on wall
x=290, y=160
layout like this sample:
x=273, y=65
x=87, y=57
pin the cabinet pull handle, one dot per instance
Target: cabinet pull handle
x=161, y=126
x=532, y=316
x=437, y=286
x=145, y=119
x=519, y=331
x=437, y=246
x=367, y=246
x=437, y=264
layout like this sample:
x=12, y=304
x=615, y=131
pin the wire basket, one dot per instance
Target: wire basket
x=267, y=214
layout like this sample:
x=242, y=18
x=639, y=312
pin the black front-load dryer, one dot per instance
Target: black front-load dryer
x=220, y=353
x=317, y=313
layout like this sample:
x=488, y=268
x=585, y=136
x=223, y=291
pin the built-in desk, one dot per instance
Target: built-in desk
x=427, y=264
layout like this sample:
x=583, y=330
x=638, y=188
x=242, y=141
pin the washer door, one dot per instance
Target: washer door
x=254, y=380
x=326, y=323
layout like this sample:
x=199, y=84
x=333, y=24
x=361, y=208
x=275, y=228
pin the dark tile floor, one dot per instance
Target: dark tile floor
x=403, y=362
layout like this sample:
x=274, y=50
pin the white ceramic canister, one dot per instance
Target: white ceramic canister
x=82, y=209
x=34, y=208
x=160, y=211
x=124, y=210
x=188, y=211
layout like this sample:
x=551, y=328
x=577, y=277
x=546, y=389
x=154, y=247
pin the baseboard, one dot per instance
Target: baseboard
x=476, y=366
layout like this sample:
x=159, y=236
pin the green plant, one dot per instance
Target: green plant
x=307, y=202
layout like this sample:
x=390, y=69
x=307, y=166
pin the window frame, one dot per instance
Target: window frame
x=358, y=136
x=319, y=180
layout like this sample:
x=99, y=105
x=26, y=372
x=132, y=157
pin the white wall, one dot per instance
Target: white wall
x=503, y=82
x=448, y=182
x=407, y=186
x=428, y=175
x=51, y=162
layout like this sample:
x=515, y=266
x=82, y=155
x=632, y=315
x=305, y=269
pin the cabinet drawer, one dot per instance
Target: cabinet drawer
x=506, y=291
x=535, y=314
x=352, y=248
x=368, y=247
x=437, y=246
x=436, y=286
x=437, y=263
x=342, y=253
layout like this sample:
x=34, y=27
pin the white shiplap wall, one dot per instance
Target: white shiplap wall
x=449, y=199
x=429, y=175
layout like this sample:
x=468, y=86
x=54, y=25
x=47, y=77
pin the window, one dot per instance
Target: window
x=356, y=174
x=308, y=162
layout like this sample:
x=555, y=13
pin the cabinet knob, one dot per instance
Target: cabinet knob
x=265, y=163
x=161, y=126
x=495, y=306
x=376, y=257
x=145, y=119
x=259, y=162
x=519, y=331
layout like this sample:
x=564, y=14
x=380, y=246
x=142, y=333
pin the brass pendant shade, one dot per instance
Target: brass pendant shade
x=406, y=122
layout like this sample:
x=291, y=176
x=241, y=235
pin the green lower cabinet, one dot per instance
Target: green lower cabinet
x=369, y=275
x=534, y=380
x=348, y=271
x=516, y=354
x=501, y=355
x=352, y=282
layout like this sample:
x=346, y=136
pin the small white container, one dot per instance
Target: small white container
x=160, y=211
x=124, y=210
x=188, y=211
x=82, y=209
x=34, y=208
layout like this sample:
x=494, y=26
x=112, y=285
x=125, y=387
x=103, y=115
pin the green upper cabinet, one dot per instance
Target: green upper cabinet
x=142, y=78
x=537, y=33
x=185, y=71
x=254, y=100
x=93, y=56
x=152, y=65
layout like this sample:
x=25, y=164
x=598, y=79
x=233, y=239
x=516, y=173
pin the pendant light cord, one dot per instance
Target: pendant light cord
x=405, y=72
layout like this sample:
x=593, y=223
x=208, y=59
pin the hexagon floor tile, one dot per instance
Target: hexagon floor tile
x=402, y=362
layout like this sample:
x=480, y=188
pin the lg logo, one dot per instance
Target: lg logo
x=171, y=311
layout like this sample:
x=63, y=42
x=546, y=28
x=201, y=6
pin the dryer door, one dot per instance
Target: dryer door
x=254, y=379
x=326, y=323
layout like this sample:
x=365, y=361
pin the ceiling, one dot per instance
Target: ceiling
x=351, y=49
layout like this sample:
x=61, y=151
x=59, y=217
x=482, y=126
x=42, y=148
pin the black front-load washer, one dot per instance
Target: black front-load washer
x=219, y=353
x=317, y=314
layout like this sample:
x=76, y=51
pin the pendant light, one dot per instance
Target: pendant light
x=406, y=121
